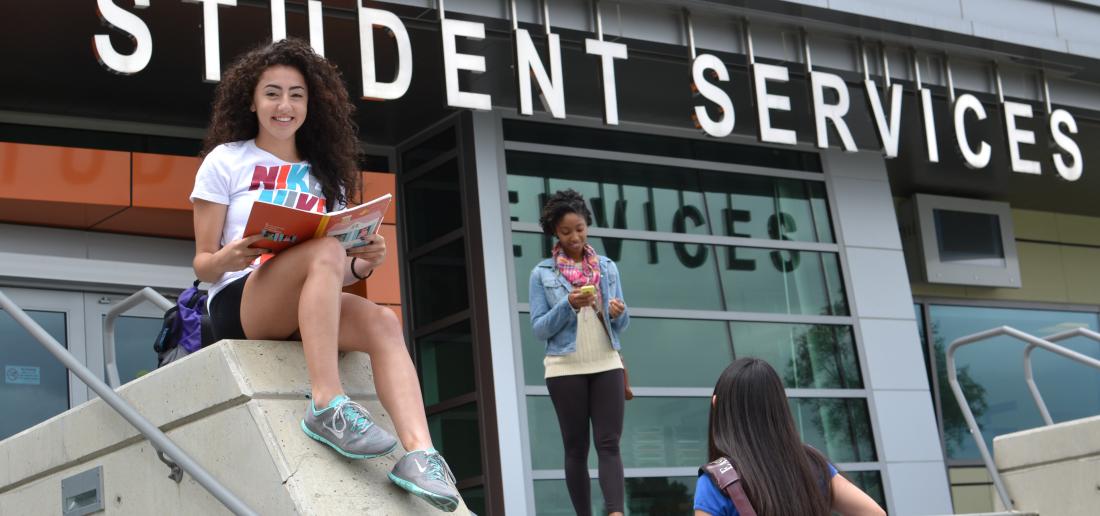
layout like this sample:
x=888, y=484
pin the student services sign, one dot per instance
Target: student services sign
x=713, y=112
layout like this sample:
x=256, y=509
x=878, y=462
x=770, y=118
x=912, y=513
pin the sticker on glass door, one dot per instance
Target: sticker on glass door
x=22, y=375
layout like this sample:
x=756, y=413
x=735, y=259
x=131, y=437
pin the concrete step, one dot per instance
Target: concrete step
x=234, y=407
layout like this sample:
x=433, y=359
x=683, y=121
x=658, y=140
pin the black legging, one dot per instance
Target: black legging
x=577, y=398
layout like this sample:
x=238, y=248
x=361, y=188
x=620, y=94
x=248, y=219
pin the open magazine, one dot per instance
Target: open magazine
x=283, y=226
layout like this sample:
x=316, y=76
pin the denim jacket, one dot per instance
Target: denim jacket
x=553, y=318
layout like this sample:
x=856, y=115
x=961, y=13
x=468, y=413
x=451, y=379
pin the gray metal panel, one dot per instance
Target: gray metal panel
x=857, y=165
x=936, y=14
x=82, y=493
x=886, y=337
x=652, y=22
x=1089, y=49
x=1028, y=16
x=720, y=33
x=506, y=360
x=880, y=284
x=921, y=488
x=908, y=425
x=894, y=356
x=1013, y=34
x=1078, y=24
x=1076, y=93
x=573, y=14
x=839, y=53
x=866, y=210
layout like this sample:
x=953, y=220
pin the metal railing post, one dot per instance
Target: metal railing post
x=964, y=405
x=109, y=355
x=1029, y=377
x=158, y=439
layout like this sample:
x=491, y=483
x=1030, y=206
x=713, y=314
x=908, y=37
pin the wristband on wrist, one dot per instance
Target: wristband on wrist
x=356, y=274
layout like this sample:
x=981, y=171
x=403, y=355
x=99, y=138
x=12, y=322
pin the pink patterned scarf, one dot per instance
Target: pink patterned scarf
x=587, y=272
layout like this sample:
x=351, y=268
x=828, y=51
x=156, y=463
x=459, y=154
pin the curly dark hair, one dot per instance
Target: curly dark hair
x=558, y=205
x=328, y=137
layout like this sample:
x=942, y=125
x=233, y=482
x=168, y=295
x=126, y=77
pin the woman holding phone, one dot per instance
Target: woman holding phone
x=577, y=310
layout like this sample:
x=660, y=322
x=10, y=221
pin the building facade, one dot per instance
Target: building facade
x=840, y=188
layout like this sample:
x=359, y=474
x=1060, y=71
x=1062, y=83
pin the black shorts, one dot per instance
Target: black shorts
x=225, y=311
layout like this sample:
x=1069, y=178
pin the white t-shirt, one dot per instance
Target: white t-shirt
x=239, y=173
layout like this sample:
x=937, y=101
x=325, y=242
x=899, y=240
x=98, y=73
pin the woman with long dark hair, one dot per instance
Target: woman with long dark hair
x=281, y=128
x=577, y=310
x=751, y=425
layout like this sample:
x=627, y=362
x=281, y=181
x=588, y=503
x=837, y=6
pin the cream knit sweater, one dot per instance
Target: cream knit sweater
x=594, y=353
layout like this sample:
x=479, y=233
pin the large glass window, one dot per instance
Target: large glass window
x=647, y=197
x=645, y=496
x=991, y=373
x=715, y=265
x=445, y=363
x=657, y=432
x=807, y=356
x=840, y=428
x=704, y=277
x=456, y=435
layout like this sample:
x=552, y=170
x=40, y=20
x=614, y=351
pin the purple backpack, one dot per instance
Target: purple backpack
x=185, y=329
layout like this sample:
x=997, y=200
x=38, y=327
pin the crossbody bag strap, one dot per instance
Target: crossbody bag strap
x=727, y=479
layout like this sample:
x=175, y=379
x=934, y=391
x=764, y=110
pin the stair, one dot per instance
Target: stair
x=234, y=407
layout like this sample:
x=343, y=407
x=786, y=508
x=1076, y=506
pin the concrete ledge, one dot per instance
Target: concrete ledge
x=1055, y=443
x=1054, y=469
x=234, y=407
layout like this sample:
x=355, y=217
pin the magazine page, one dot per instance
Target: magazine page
x=354, y=226
x=281, y=226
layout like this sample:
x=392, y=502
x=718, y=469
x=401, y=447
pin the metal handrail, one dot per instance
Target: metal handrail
x=1030, y=378
x=109, y=356
x=964, y=406
x=155, y=436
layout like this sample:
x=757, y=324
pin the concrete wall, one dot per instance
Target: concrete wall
x=234, y=407
x=907, y=439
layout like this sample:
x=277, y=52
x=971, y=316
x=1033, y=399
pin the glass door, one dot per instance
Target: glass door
x=35, y=385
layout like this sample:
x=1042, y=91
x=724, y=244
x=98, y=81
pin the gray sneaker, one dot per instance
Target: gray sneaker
x=427, y=475
x=348, y=428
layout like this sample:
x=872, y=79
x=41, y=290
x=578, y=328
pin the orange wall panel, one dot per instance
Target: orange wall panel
x=56, y=214
x=158, y=222
x=358, y=288
x=64, y=174
x=397, y=310
x=376, y=184
x=384, y=286
x=162, y=181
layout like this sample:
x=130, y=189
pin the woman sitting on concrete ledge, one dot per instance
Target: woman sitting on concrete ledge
x=281, y=126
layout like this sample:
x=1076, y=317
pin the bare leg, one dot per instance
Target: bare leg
x=300, y=290
x=376, y=330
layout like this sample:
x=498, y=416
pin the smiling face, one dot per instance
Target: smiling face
x=280, y=102
x=572, y=232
